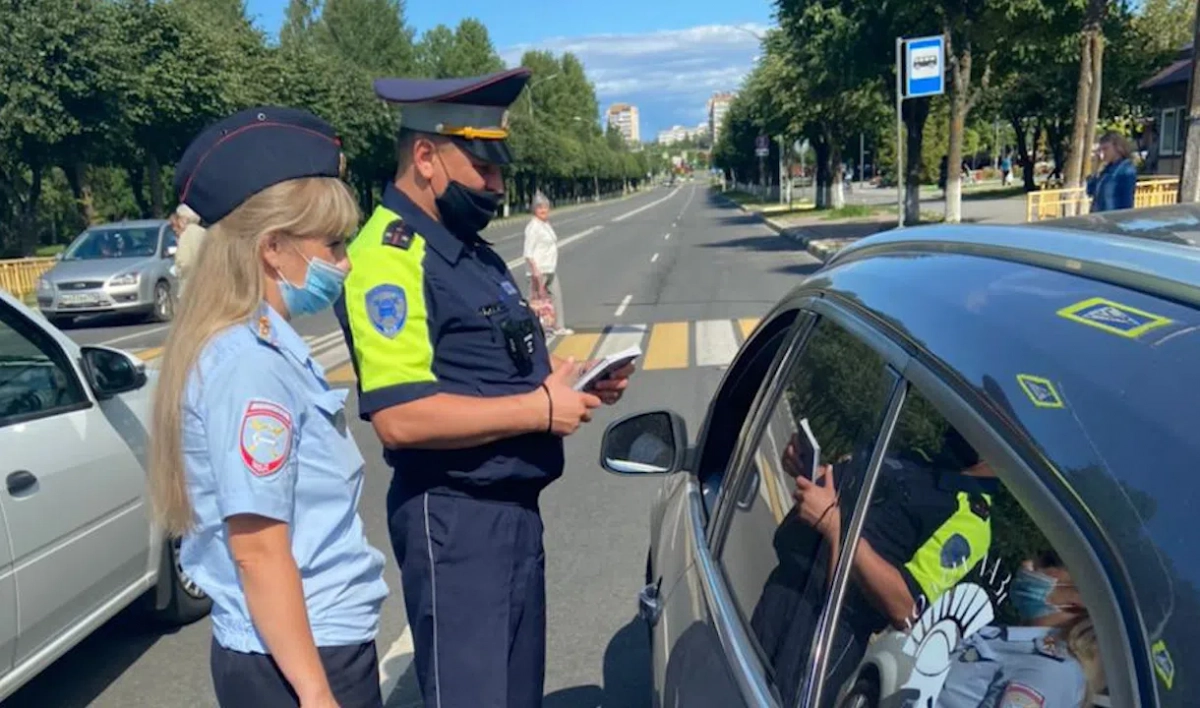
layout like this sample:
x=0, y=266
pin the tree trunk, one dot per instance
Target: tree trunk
x=154, y=175
x=1081, y=142
x=915, y=112
x=960, y=87
x=137, y=182
x=1189, y=178
x=81, y=189
x=1056, y=139
x=822, y=195
x=27, y=234
x=1094, y=99
x=1023, y=157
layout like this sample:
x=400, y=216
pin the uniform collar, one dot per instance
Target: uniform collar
x=435, y=234
x=271, y=328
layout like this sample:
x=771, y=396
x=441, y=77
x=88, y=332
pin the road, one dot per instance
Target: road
x=672, y=269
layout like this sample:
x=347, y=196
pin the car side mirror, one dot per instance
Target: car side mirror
x=112, y=371
x=171, y=251
x=645, y=443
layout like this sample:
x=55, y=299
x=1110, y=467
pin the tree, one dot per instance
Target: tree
x=370, y=34
x=1087, y=91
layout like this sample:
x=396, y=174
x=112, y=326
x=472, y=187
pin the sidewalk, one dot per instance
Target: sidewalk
x=822, y=238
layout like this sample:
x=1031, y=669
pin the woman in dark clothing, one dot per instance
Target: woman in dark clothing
x=1116, y=182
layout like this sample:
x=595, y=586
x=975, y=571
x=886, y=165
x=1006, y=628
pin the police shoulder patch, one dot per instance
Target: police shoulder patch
x=1018, y=695
x=398, y=234
x=387, y=308
x=265, y=438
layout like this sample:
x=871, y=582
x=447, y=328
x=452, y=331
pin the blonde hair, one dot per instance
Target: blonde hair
x=1080, y=635
x=226, y=287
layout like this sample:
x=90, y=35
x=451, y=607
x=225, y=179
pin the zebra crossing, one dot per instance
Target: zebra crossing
x=666, y=345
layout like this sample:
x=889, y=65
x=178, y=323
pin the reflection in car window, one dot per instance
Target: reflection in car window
x=776, y=556
x=100, y=243
x=994, y=617
x=34, y=375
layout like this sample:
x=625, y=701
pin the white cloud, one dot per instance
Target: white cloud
x=668, y=74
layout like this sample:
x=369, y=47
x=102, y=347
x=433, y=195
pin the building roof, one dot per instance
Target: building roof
x=1174, y=73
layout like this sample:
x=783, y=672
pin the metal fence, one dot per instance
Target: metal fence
x=1058, y=203
x=19, y=276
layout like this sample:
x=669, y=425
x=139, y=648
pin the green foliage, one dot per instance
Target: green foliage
x=98, y=99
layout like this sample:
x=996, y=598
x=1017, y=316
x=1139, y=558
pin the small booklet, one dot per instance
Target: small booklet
x=606, y=366
x=810, y=449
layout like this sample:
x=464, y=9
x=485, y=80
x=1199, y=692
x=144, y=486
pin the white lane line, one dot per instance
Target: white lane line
x=620, y=337
x=716, y=343
x=394, y=662
x=624, y=303
x=566, y=241
x=318, y=343
x=640, y=209
x=654, y=258
x=688, y=203
x=334, y=356
x=667, y=237
x=133, y=335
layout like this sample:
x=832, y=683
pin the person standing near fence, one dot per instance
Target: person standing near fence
x=541, y=253
x=1113, y=187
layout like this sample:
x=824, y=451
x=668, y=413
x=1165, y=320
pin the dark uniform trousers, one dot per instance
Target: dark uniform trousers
x=474, y=576
x=243, y=680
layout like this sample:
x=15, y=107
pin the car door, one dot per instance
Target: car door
x=73, y=495
x=750, y=602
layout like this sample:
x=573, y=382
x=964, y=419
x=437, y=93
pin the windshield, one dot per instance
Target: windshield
x=96, y=244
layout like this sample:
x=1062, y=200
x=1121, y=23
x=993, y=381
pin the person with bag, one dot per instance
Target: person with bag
x=541, y=253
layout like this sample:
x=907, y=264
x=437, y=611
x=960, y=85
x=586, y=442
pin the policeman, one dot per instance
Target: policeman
x=455, y=377
x=251, y=460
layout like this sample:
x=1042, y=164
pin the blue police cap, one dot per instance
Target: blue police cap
x=473, y=112
x=239, y=156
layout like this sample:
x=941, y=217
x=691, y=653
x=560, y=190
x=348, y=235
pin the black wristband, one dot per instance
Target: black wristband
x=550, y=409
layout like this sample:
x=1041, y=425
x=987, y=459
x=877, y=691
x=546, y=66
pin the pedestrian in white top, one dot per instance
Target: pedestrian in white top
x=541, y=253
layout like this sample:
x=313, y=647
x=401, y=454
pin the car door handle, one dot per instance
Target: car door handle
x=20, y=481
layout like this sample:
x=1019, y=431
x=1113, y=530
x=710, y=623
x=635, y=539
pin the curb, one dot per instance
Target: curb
x=821, y=249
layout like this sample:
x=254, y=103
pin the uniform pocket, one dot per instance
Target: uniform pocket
x=334, y=427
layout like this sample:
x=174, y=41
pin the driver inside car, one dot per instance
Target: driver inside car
x=928, y=526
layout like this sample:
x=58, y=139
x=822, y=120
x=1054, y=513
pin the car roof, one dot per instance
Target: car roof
x=1175, y=223
x=1085, y=349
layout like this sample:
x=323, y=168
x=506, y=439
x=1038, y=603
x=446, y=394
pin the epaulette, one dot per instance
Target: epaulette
x=398, y=234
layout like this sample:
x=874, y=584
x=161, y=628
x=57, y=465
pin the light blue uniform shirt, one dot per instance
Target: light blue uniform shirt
x=264, y=434
x=1013, y=667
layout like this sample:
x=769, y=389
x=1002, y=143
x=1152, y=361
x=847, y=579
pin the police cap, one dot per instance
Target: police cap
x=473, y=112
x=239, y=156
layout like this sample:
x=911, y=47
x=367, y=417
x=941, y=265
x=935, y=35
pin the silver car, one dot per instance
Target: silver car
x=76, y=543
x=124, y=267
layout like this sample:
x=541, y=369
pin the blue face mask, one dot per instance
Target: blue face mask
x=1030, y=592
x=322, y=285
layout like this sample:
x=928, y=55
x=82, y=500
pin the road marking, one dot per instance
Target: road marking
x=747, y=325
x=343, y=374
x=579, y=346
x=133, y=335
x=568, y=240
x=624, y=303
x=620, y=337
x=394, y=662
x=716, y=344
x=640, y=209
x=654, y=258
x=668, y=348
x=667, y=237
x=149, y=353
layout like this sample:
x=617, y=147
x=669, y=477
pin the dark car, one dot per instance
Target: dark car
x=997, y=404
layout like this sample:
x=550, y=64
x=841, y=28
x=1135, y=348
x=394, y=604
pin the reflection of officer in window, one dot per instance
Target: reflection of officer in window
x=926, y=527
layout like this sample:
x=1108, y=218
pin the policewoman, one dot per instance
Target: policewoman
x=252, y=463
x=455, y=377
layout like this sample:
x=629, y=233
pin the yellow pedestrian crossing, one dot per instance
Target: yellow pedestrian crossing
x=669, y=345
x=668, y=348
x=149, y=353
x=747, y=325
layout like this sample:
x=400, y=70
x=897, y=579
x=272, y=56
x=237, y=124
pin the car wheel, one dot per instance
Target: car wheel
x=186, y=602
x=164, y=302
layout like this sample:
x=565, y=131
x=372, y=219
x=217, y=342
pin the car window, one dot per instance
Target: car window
x=169, y=238
x=35, y=377
x=776, y=555
x=113, y=242
x=731, y=407
x=956, y=597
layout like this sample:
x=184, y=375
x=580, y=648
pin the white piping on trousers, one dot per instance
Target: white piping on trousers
x=437, y=682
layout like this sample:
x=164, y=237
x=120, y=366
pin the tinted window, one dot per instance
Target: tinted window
x=35, y=378
x=776, y=555
x=1104, y=381
x=944, y=553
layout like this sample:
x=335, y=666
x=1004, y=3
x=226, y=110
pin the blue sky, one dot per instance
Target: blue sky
x=666, y=57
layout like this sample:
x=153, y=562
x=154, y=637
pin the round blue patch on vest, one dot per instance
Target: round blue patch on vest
x=387, y=308
x=955, y=551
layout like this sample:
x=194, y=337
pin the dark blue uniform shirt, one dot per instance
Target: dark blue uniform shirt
x=427, y=312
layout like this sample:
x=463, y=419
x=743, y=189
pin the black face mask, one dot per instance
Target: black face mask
x=466, y=211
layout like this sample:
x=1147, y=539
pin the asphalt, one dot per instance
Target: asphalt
x=681, y=274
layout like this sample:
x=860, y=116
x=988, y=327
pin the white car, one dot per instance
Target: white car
x=76, y=541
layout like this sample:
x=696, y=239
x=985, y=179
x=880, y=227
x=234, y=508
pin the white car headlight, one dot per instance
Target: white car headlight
x=126, y=279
